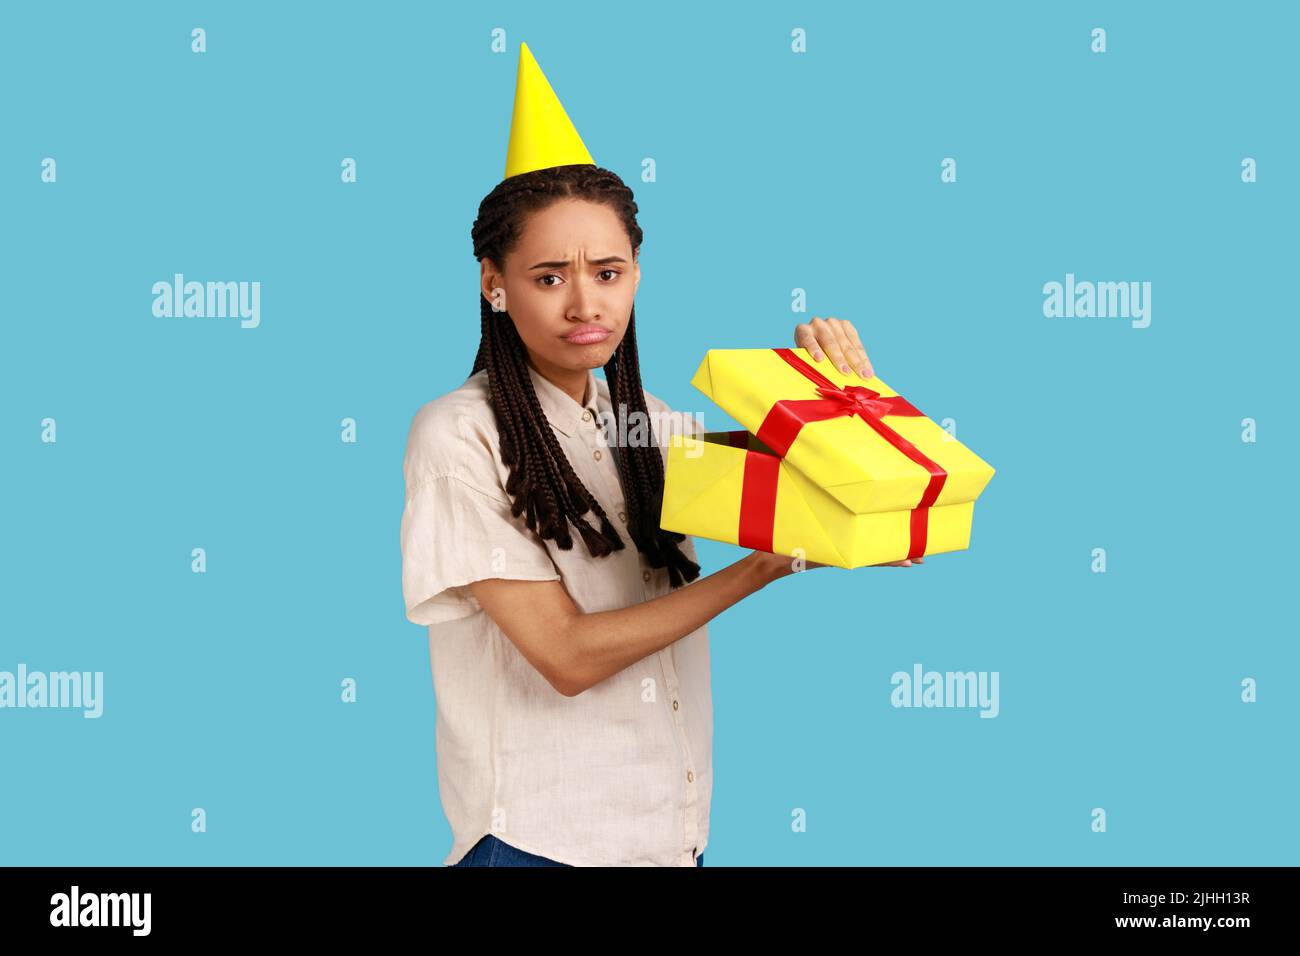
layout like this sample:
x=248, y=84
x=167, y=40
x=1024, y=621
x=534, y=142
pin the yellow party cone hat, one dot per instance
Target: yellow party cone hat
x=541, y=133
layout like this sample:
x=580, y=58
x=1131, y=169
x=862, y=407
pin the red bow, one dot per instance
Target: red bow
x=781, y=427
x=867, y=401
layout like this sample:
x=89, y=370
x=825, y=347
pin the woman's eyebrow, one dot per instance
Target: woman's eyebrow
x=561, y=263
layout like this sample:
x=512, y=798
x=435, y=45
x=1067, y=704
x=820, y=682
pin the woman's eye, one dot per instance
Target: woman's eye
x=613, y=273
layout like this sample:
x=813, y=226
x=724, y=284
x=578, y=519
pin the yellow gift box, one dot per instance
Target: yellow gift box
x=830, y=468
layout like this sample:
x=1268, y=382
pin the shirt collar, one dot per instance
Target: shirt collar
x=558, y=405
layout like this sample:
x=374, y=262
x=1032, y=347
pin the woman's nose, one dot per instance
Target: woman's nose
x=584, y=300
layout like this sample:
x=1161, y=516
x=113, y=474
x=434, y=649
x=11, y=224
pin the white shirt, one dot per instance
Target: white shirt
x=619, y=775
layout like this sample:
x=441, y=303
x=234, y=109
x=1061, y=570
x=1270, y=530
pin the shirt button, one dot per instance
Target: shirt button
x=586, y=416
x=597, y=454
x=674, y=705
x=622, y=516
x=690, y=777
x=645, y=575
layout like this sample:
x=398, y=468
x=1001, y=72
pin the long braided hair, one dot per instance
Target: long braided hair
x=542, y=483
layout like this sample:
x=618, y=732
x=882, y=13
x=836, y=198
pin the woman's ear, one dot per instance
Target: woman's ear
x=489, y=279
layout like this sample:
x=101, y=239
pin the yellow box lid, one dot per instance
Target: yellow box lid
x=865, y=444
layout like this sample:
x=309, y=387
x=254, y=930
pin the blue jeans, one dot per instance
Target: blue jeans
x=490, y=851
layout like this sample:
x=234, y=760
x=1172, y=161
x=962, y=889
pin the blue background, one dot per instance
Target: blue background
x=775, y=171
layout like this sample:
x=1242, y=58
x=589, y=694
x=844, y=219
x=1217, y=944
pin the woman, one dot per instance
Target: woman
x=571, y=671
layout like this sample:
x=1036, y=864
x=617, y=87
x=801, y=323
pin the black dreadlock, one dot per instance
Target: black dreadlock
x=542, y=483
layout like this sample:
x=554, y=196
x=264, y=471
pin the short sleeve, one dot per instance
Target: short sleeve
x=454, y=534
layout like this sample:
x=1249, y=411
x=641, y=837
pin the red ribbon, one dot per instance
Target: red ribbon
x=781, y=427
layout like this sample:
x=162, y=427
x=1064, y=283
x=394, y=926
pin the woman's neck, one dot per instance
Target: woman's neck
x=573, y=382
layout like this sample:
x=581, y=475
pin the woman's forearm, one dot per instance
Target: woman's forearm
x=605, y=642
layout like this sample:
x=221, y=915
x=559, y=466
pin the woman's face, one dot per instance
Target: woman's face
x=573, y=268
